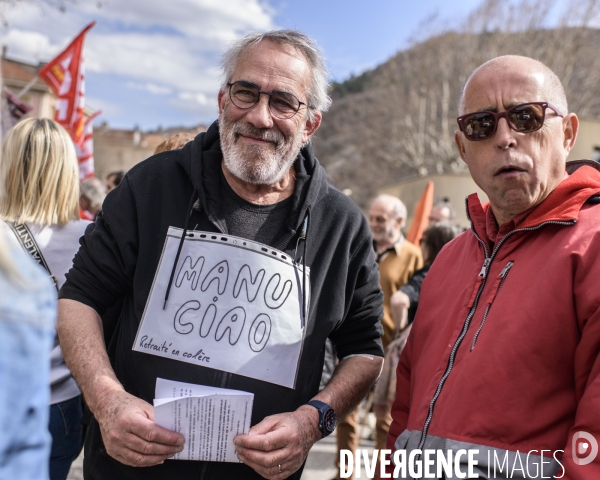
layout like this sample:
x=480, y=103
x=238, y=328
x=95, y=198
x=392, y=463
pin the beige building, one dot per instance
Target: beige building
x=587, y=145
x=120, y=149
x=16, y=75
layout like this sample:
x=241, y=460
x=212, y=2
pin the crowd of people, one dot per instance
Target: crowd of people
x=483, y=339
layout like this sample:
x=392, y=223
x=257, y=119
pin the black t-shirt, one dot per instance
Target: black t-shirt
x=261, y=223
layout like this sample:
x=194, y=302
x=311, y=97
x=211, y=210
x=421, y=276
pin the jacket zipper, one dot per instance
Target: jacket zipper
x=501, y=278
x=484, y=271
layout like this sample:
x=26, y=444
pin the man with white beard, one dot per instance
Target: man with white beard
x=252, y=178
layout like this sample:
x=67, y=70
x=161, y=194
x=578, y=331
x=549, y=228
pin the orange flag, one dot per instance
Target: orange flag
x=65, y=76
x=421, y=217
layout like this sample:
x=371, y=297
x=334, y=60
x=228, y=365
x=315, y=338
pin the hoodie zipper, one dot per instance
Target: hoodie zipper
x=483, y=273
x=499, y=282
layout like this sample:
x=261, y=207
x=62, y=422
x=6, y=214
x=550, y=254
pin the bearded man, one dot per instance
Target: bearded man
x=253, y=182
x=397, y=258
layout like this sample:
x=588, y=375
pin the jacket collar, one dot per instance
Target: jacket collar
x=562, y=205
x=396, y=247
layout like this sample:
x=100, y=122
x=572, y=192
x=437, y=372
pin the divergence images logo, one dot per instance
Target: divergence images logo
x=585, y=448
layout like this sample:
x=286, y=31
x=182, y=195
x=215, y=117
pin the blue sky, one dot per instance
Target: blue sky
x=151, y=63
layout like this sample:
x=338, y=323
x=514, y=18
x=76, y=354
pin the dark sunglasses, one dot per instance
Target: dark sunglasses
x=524, y=118
x=245, y=95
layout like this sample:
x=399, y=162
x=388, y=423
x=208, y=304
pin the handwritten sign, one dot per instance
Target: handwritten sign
x=234, y=305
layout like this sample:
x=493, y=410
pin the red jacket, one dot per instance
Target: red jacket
x=515, y=327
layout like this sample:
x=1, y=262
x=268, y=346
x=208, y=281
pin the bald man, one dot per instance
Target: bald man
x=502, y=364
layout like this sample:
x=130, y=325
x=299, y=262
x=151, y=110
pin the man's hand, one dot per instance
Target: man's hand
x=276, y=447
x=126, y=422
x=130, y=434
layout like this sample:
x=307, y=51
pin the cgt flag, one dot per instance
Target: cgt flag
x=65, y=75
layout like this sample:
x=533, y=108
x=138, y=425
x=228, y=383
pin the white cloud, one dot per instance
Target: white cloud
x=210, y=20
x=198, y=98
x=150, y=87
x=108, y=108
x=29, y=46
x=164, y=48
x=159, y=59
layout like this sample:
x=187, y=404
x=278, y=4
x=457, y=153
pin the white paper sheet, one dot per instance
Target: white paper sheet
x=234, y=305
x=208, y=417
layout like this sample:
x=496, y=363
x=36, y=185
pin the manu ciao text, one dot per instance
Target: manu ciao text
x=435, y=463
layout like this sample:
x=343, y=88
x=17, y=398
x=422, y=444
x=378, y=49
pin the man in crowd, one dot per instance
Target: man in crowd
x=397, y=260
x=113, y=179
x=442, y=211
x=503, y=356
x=175, y=141
x=253, y=176
x=92, y=196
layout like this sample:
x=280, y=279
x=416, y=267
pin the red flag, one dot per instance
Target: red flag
x=421, y=218
x=85, y=152
x=65, y=75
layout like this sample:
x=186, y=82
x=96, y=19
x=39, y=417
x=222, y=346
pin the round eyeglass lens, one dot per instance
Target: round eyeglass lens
x=284, y=105
x=244, y=95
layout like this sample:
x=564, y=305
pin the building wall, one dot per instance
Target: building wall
x=119, y=149
x=43, y=103
x=109, y=156
x=16, y=75
x=587, y=145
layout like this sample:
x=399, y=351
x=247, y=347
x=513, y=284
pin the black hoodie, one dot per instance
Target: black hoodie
x=345, y=303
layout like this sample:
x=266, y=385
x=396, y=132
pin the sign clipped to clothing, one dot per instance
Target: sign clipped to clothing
x=234, y=305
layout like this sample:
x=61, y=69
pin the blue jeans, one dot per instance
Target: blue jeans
x=66, y=431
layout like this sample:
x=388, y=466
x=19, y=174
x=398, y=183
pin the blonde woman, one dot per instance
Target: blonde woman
x=39, y=196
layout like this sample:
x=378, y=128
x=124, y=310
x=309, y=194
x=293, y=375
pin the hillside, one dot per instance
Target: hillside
x=398, y=120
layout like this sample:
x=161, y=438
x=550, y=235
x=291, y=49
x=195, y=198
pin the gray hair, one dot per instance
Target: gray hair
x=554, y=87
x=395, y=205
x=445, y=203
x=94, y=190
x=318, y=99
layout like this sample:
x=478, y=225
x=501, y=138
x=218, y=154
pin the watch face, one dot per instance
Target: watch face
x=329, y=420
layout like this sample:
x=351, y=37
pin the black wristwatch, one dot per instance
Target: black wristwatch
x=327, y=417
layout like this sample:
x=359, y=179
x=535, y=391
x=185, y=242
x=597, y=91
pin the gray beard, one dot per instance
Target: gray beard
x=256, y=164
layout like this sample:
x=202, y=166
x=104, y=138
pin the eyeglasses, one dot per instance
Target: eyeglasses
x=524, y=118
x=245, y=95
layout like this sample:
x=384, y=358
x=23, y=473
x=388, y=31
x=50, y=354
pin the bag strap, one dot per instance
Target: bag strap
x=28, y=242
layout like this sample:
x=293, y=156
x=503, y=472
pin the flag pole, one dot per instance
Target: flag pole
x=27, y=87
